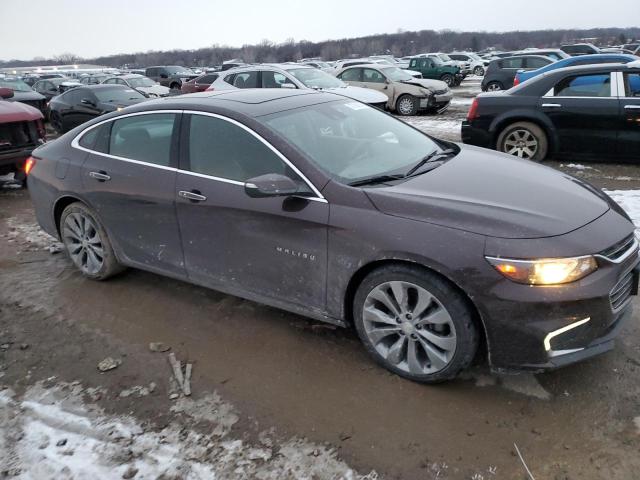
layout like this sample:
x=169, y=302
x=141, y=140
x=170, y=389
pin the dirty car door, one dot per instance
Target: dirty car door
x=129, y=179
x=265, y=247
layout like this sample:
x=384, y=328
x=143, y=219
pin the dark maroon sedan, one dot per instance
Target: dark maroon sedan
x=199, y=84
x=323, y=206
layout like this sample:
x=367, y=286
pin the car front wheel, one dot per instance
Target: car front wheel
x=448, y=79
x=524, y=140
x=87, y=243
x=415, y=324
x=407, y=105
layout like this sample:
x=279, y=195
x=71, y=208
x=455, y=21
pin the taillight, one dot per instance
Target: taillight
x=516, y=81
x=473, y=110
x=29, y=164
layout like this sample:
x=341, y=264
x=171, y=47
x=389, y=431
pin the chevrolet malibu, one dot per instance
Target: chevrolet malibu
x=320, y=205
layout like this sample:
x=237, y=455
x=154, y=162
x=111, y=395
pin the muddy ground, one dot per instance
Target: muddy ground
x=298, y=379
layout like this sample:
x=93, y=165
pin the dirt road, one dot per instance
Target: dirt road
x=298, y=380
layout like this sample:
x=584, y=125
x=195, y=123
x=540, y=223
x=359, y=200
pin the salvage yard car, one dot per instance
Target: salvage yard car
x=590, y=111
x=501, y=73
x=295, y=76
x=434, y=68
x=405, y=95
x=21, y=131
x=140, y=83
x=326, y=207
x=23, y=93
x=172, y=76
x=74, y=107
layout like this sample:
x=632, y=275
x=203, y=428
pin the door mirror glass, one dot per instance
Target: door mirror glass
x=270, y=185
x=289, y=86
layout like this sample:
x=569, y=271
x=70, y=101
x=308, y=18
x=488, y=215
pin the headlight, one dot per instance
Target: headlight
x=551, y=271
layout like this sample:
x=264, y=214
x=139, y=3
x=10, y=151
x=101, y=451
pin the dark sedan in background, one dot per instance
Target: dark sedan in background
x=324, y=206
x=23, y=93
x=82, y=104
x=199, y=84
x=501, y=73
x=590, y=111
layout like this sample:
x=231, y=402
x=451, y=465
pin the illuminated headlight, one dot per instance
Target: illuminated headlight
x=552, y=271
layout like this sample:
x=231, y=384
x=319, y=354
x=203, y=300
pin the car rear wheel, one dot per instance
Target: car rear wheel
x=478, y=71
x=87, y=243
x=494, y=87
x=448, y=79
x=407, y=105
x=415, y=324
x=524, y=140
x=175, y=86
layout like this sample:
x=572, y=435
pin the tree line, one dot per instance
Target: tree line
x=398, y=44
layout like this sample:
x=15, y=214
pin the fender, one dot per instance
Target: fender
x=524, y=115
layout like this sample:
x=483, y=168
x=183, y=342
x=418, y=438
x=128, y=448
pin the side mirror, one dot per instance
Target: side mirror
x=270, y=185
x=86, y=101
x=6, y=93
x=289, y=86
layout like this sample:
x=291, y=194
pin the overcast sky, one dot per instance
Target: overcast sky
x=90, y=28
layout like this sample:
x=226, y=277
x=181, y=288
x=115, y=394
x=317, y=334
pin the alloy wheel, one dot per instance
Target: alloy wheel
x=521, y=143
x=494, y=87
x=84, y=244
x=409, y=327
x=405, y=106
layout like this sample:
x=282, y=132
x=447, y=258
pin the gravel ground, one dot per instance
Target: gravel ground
x=275, y=395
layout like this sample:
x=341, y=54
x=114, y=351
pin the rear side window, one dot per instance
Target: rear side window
x=146, y=138
x=208, y=79
x=222, y=149
x=351, y=75
x=598, y=85
x=632, y=84
x=512, y=63
x=246, y=80
x=97, y=139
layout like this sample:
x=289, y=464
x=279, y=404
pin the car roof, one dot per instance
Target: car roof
x=102, y=86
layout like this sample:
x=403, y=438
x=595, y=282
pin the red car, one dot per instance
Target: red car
x=21, y=131
x=199, y=84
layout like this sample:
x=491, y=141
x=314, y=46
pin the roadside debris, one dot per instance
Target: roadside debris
x=523, y=462
x=109, y=364
x=182, y=379
x=159, y=347
x=55, y=248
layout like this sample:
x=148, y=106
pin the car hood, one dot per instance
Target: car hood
x=26, y=96
x=157, y=89
x=17, y=112
x=364, y=95
x=436, y=85
x=494, y=194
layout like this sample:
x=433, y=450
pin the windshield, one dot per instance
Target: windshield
x=314, y=78
x=138, y=82
x=351, y=141
x=113, y=95
x=444, y=57
x=395, y=74
x=179, y=71
x=474, y=56
x=58, y=81
x=15, y=85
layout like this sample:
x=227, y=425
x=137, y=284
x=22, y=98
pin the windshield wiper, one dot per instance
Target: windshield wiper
x=432, y=157
x=376, y=179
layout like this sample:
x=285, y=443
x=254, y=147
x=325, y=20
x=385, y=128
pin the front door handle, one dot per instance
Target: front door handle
x=551, y=105
x=100, y=176
x=194, y=195
x=632, y=107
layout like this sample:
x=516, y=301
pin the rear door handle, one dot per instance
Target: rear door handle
x=632, y=107
x=194, y=195
x=100, y=176
x=551, y=105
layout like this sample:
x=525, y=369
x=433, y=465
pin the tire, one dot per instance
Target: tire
x=448, y=79
x=478, y=71
x=56, y=122
x=494, y=87
x=87, y=243
x=524, y=140
x=402, y=342
x=407, y=105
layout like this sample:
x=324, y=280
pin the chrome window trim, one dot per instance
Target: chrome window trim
x=75, y=143
x=612, y=94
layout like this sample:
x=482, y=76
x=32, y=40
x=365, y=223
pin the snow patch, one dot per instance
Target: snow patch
x=577, y=166
x=22, y=230
x=636, y=421
x=629, y=200
x=49, y=433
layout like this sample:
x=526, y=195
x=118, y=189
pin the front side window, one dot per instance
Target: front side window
x=111, y=81
x=632, y=84
x=372, y=76
x=536, y=62
x=146, y=138
x=351, y=75
x=246, y=80
x=351, y=141
x=117, y=94
x=597, y=85
x=223, y=149
x=512, y=63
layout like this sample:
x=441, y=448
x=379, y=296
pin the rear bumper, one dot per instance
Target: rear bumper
x=472, y=135
x=16, y=157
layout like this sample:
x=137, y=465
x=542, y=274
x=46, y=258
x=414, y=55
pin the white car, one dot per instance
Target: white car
x=292, y=75
x=340, y=64
x=476, y=64
x=142, y=84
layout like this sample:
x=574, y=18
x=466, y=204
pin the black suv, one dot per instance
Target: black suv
x=171, y=77
x=501, y=72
